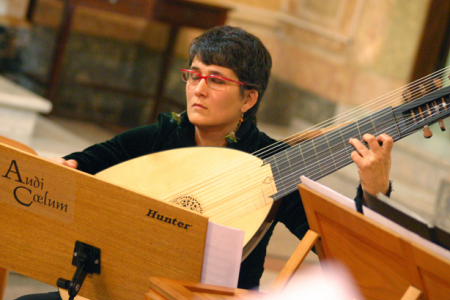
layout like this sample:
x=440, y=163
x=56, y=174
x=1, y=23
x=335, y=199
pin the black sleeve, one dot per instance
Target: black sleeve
x=369, y=200
x=292, y=214
x=125, y=146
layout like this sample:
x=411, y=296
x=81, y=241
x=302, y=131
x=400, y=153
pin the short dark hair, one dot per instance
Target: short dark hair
x=239, y=50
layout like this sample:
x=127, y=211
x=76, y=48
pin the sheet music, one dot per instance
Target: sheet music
x=375, y=216
x=223, y=253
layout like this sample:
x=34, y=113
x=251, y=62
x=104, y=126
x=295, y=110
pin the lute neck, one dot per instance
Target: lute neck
x=327, y=153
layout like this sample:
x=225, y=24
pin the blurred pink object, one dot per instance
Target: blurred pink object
x=329, y=280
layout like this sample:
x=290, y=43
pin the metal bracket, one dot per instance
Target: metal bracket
x=87, y=260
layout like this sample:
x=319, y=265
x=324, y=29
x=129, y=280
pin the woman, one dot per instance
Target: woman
x=228, y=73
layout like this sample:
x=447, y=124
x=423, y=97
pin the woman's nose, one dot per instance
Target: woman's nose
x=202, y=86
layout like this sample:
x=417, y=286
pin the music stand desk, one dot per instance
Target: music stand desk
x=385, y=264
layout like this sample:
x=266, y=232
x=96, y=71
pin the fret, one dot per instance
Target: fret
x=301, y=156
x=344, y=159
x=309, y=154
x=282, y=163
x=345, y=134
x=285, y=165
x=337, y=149
x=317, y=165
x=336, y=142
x=297, y=164
x=386, y=120
x=381, y=122
x=366, y=126
x=324, y=160
x=359, y=131
x=350, y=131
x=288, y=159
x=342, y=148
x=332, y=148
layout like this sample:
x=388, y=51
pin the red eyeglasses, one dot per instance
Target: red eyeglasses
x=214, y=81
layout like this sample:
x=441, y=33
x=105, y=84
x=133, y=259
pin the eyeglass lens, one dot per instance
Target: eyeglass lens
x=212, y=81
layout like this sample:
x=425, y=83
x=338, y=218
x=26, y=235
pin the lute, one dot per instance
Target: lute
x=238, y=189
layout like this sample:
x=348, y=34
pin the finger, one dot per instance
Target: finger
x=362, y=150
x=372, y=142
x=387, y=141
x=357, y=158
x=72, y=163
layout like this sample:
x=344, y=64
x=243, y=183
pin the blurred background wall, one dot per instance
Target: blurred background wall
x=327, y=54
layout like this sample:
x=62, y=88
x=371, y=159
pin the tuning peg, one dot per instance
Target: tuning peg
x=442, y=125
x=427, y=133
x=438, y=83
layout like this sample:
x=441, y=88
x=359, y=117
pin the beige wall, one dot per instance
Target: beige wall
x=13, y=8
x=347, y=51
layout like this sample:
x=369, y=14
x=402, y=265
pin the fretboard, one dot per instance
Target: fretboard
x=327, y=153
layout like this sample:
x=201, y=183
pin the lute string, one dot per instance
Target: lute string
x=217, y=209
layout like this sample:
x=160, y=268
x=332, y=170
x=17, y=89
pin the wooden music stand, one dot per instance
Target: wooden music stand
x=384, y=264
x=46, y=208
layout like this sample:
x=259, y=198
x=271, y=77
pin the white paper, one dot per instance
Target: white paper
x=326, y=191
x=223, y=254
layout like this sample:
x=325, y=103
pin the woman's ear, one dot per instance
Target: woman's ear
x=251, y=98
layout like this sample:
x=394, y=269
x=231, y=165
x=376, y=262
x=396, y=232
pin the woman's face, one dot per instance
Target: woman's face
x=208, y=107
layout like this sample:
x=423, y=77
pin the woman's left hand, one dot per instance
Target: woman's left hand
x=374, y=162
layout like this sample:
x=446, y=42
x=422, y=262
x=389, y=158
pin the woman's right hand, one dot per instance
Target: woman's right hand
x=71, y=163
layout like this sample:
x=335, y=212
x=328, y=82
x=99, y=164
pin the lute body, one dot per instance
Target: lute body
x=231, y=187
